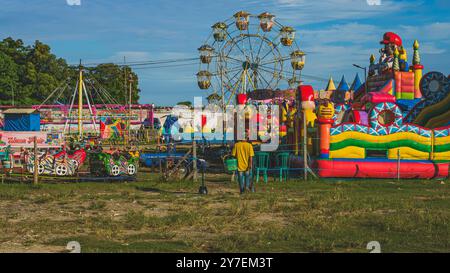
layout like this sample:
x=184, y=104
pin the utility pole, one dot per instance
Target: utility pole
x=125, y=79
x=130, y=80
x=36, y=164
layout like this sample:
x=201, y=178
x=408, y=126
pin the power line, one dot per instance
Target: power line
x=168, y=63
x=148, y=62
x=163, y=66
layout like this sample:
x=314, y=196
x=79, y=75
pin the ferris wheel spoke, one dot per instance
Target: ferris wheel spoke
x=232, y=69
x=234, y=59
x=272, y=49
x=266, y=68
x=236, y=44
x=227, y=75
x=278, y=75
x=233, y=63
x=262, y=42
x=268, y=72
x=226, y=71
x=249, y=38
x=275, y=61
x=234, y=87
x=263, y=79
x=274, y=75
x=235, y=75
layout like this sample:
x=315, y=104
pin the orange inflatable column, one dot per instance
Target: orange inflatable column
x=324, y=129
x=326, y=113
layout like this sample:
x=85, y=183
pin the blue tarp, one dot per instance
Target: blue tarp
x=22, y=122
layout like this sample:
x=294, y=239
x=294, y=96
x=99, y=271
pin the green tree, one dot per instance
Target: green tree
x=8, y=78
x=33, y=72
x=187, y=103
x=115, y=80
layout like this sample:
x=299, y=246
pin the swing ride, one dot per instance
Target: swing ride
x=108, y=120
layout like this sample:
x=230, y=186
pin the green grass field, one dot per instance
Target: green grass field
x=298, y=216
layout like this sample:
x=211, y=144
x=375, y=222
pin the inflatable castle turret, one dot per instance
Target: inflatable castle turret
x=417, y=68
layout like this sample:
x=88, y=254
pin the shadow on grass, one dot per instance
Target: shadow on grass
x=91, y=244
x=161, y=191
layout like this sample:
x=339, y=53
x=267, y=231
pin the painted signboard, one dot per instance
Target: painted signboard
x=112, y=128
x=26, y=139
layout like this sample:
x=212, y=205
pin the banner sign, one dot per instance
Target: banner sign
x=26, y=139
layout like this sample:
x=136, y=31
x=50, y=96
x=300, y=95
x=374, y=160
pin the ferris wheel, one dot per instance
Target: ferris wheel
x=249, y=52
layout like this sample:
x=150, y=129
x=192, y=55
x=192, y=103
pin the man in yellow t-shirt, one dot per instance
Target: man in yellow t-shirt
x=243, y=152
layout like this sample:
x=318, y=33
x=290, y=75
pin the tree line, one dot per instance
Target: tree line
x=29, y=74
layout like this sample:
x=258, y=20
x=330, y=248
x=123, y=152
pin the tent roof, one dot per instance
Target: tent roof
x=356, y=83
x=330, y=85
x=20, y=111
x=343, y=85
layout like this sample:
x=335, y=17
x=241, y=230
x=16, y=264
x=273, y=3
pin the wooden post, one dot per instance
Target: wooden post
x=305, y=151
x=296, y=133
x=36, y=164
x=398, y=164
x=158, y=141
x=194, y=159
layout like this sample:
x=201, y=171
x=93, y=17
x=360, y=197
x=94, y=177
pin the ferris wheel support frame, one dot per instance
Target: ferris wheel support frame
x=251, y=49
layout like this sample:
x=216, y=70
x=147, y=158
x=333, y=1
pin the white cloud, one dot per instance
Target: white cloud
x=434, y=31
x=351, y=33
x=429, y=36
x=302, y=12
x=431, y=48
x=73, y=2
x=335, y=61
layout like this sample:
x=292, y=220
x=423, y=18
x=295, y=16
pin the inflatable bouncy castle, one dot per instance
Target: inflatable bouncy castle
x=395, y=125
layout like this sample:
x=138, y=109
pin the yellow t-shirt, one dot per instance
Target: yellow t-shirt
x=243, y=151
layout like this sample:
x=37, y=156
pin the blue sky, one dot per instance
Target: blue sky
x=336, y=33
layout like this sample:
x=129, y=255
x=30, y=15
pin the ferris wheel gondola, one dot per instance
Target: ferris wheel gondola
x=249, y=52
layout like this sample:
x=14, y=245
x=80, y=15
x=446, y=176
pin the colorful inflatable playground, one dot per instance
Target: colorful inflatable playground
x=396, y=125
